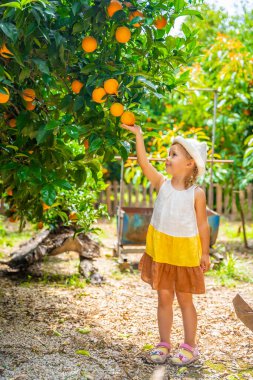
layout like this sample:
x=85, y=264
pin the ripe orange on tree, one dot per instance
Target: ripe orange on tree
x=127, y=118
x=123, y=34
x=29, y=95
x=117, y=109
x=12, y=219
x=98, y=95
x=4, y=97
x=45, y=206
x=76, y=86
x=114, y=7
x=13, y=123
x=86, y=144
x=73, y=216
x=89, y=44
x=40, y=225
x=30, y=106
x=136, y=14
x=160, y=22
x=111, y=86
x=5, y=52
x=9, y=192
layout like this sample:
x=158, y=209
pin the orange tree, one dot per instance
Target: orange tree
x=68, y=69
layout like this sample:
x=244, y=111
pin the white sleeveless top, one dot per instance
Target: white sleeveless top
x=174, y=212
x=173, y=237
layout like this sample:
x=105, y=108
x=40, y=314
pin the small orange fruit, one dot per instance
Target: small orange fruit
x=73, y=216
x=9, y=192
x=136, y=14
x=76, y=86
x=5, y=52
x=123, y=34
x=114, y=7
x=30, y=151
x=127, y=118
x=29, y=95
x=89, y=44
x=98, y=95
x=4, y=97
x=86, y=144
x=160, y=22
x=117, y=109
x=12, y=219
x=40, y=225
x=30, y=106
x=111, y=86
x=13, y=123
x=45, y=206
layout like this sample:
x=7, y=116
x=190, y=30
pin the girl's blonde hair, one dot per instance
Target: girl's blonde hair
x=192, y=179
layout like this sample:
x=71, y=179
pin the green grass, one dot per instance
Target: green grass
x=231, y=271
x=230, y=229
x=73, y=281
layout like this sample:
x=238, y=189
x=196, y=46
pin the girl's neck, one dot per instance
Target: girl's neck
x=178, y=182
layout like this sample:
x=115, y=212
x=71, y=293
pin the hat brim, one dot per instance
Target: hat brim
x=195, y=155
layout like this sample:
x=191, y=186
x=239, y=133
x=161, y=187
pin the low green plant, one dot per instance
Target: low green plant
x=231, y=270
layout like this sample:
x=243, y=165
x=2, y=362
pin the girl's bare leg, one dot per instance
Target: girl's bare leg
x=189, y=317
x=165, y=313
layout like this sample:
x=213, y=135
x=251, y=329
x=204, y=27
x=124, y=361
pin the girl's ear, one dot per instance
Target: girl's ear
x=190, y=162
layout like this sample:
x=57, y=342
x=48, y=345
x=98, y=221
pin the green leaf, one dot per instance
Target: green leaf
x=63, y=183
x=25, y=73
x=51, y=125
x=79, y=103
x=179, y=4
x=42, y=134
x=95, y=144
x=83, y=352
x=72, y=131
x=48, y=193
x=57, y=333
x=12, y=4
x=12, y=147
x=84, y=331
x=191, y=12
x=9, y=30
x=42, y=66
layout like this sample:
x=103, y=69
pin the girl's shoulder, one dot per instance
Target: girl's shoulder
x=161, y=183
x=199, y=195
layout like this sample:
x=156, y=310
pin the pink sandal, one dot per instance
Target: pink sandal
x=158, y=356
x=186, y=355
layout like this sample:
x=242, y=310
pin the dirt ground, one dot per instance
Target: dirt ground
x=53, y=331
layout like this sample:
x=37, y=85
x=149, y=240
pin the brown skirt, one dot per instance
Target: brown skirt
x=167, y=276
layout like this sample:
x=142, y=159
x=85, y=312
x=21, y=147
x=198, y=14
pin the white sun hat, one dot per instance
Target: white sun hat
x=197, y=149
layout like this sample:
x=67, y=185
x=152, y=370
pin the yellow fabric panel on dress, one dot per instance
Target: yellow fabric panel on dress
x=175, y=250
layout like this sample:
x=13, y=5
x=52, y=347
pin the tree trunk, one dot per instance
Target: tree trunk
x=54, y=242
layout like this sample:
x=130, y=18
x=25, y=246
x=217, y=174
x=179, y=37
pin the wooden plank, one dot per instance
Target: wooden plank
x=115, y=195
x=137, y=203
x=129, y=194
x=249, y=201
x=234, y=209
x=108, y=197
x=219, y=199
x=144, y=192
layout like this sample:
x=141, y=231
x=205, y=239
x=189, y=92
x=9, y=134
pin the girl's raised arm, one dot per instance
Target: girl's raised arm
x=149, y=171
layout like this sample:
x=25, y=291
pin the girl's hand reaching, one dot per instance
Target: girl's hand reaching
x=132, y=128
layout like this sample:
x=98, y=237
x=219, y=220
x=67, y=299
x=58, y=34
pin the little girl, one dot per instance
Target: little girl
x=177, y=242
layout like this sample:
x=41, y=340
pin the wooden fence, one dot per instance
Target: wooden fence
x=141, y=196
